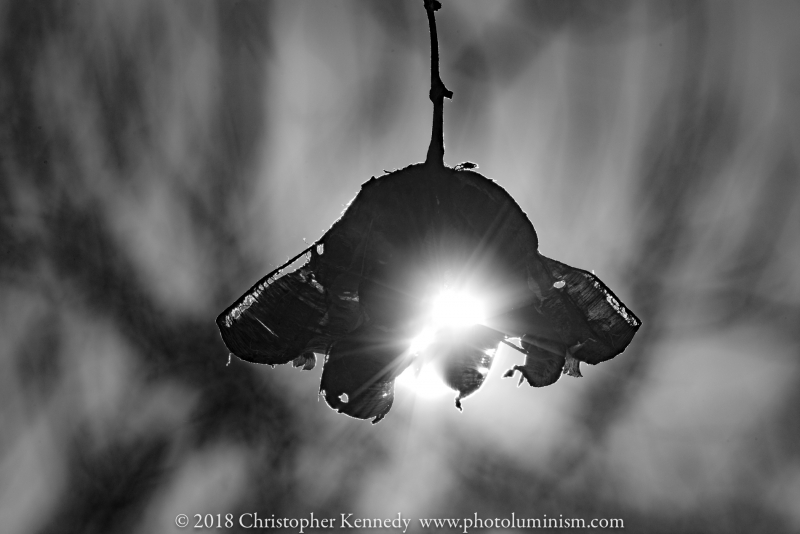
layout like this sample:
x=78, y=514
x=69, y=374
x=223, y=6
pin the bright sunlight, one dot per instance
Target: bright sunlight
x=425, y=382
x=456, y=309
x=450, y=309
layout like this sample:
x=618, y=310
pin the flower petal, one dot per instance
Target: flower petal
x=466, y=356
x=358, y=376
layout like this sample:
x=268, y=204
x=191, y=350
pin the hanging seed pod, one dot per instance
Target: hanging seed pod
x=402, y=237
x=360, y=299
x=543, y=366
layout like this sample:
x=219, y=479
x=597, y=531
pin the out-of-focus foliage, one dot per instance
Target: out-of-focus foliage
x=157, y=157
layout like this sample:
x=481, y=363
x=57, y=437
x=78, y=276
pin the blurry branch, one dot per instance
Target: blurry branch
x=438, y=92
x=95, y=264
x=685, y=150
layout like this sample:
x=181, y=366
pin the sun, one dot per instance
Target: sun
x=424, y=381
x=449, y=309
x=456, y=309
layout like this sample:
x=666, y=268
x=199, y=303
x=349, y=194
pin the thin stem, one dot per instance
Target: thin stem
x=438, y=92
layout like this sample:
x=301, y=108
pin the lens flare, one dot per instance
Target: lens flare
x=423, y=340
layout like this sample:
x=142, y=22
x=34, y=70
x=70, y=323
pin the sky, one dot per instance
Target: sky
x=158, y=158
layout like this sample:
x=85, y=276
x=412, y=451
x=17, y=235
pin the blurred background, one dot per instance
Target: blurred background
x=157, y=158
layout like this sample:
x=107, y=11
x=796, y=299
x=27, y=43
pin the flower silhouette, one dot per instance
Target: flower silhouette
x=361, y=298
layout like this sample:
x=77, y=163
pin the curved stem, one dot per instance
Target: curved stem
x=437, y=94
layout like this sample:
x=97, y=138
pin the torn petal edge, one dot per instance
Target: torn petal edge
x=235, y=310
x=572, y=366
